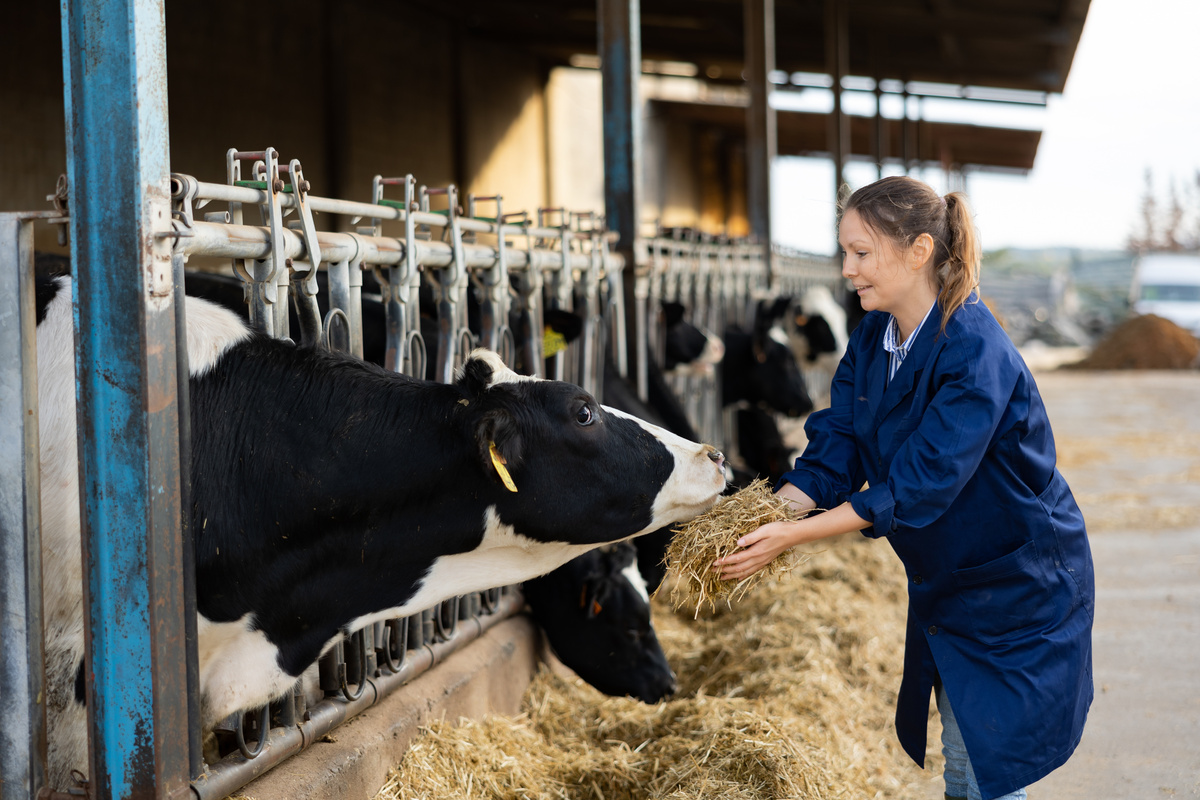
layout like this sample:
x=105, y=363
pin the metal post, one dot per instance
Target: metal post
x=837, y=62
x=22, y=677
x=878, y=140
x=115, y=76
x=761, y=139
x=620, y=45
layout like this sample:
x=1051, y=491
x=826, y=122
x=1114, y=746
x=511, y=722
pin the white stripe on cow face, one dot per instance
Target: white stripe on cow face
x=693, y=486
x=636, y=580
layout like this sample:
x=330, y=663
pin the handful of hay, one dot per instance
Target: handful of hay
x=714, y=534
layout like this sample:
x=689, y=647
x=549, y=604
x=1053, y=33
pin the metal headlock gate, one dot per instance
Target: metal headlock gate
x=516, y=264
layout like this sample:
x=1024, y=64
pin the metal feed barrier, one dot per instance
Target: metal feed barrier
x=517, y=263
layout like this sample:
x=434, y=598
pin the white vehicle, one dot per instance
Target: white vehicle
x=1168, y=285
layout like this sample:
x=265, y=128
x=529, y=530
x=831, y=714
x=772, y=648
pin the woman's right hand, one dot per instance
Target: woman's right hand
x=759, y=548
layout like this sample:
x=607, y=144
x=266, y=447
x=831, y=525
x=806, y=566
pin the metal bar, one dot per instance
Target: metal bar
x=619, y=38
x=188, y=554
x=231, y=773
x=22, y=676
x=115, y=77
x=389, y=210
x=254, y=242
x=761, y=137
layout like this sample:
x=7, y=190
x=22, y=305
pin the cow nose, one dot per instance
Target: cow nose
x=717, y=457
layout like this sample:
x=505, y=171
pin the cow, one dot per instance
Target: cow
x=612, y=651
x=761, y=446
x=354, y=495
x=595, y=612
x=688, y=349
x=819, y=335
x=759, y=366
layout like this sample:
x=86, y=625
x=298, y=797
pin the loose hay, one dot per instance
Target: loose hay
x=714, y=534
x=789, y=693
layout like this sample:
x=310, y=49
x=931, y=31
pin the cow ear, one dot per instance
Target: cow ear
x=594, y=594
x=500, y=445
x=672, y=312
x=567, y=324
x=475, y=377
x=779, y=308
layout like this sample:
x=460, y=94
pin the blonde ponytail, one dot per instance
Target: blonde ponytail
x=958, y=274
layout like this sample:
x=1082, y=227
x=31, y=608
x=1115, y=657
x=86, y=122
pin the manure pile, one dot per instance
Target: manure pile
x=788, y=692
x=1144, y=342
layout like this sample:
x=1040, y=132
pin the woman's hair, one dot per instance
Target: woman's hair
x=900, y=209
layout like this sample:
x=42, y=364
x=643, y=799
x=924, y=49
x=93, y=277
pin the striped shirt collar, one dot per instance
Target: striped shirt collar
x=898, y=352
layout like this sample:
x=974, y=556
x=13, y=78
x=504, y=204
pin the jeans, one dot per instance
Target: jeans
x=960, y=777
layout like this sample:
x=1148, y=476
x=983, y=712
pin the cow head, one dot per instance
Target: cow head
x=595, y=612
x=688, y=347
x=760, y=367
x=562, y=458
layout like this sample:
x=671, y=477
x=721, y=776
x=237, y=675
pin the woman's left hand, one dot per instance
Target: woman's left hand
x=759, y=548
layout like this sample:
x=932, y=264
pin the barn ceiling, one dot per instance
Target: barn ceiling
x=1011, y=44
x=805, y=134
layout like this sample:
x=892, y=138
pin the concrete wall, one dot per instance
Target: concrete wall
x=690, y=177
x=352, y=89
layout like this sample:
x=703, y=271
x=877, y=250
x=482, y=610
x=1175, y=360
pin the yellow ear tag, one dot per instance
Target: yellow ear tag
x=553, y=342
x=498, y=462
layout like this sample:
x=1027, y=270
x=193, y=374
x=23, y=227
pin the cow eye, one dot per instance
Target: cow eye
x=584, y=415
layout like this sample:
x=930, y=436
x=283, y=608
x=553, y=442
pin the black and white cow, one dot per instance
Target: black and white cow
x=688, y=348
x=760, y=367
x=819, y=333
x=595, y=612
x=329, y=494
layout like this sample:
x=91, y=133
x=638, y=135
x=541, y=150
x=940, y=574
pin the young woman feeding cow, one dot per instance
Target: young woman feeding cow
x=937, y=439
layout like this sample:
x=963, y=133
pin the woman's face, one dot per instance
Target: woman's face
x=877, y=269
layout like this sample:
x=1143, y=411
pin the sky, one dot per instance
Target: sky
x=1131, y=103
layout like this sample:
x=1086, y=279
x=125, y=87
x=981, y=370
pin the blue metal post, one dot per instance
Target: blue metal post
x=115, y=75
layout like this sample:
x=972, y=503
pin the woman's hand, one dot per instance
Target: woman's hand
x=759, y=548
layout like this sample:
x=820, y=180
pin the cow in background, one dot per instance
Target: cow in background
x=760, y=367
x=820, y=332
x=688, y=349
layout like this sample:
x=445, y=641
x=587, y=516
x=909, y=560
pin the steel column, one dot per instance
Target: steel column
x=761, y=137
x=22, y=677
x=837, y=61
x=115, y=76
x=620, y=46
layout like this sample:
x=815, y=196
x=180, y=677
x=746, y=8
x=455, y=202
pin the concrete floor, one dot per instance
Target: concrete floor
x=1129, y=445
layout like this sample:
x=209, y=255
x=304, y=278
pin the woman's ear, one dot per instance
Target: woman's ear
x=921, y=251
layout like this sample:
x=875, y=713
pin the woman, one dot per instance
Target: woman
x=933, y=409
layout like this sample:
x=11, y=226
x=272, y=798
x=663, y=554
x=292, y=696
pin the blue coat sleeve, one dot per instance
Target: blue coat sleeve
x=974, y=379
x=830, y=467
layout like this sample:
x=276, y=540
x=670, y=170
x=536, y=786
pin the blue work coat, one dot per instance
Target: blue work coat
x=959, y=462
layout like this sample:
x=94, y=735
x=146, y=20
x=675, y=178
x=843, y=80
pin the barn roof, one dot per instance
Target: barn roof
x=799, y=134
x=1010, y=44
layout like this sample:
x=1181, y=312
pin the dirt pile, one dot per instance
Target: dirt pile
x=1144, y=342
x=789, y=693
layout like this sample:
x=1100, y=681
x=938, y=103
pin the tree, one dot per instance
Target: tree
x=1173, y=226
